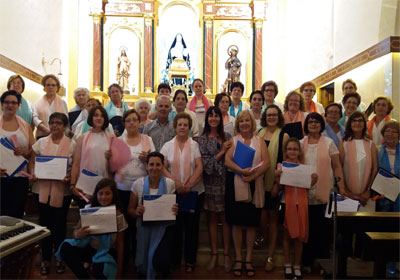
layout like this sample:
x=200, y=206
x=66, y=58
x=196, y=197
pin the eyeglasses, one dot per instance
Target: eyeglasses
x=56, y=123
x=272, y=115
x=10, y=103
x=389, y=131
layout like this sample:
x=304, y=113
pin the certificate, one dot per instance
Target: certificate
x=99, y=219
x=386, y=184
x=87, y=181
x=51, y=167
x=296, y=175
x=158, y=207
x=9, y=161
x=343, y=205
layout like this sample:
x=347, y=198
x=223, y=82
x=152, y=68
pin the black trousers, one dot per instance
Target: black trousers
x=13, y=193
x=162, y=258
x=187, y=227
x=74, y=258
x=319, y=237
x=130, y=232
x=55, y=219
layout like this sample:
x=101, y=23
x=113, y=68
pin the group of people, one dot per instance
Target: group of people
x=188, y=148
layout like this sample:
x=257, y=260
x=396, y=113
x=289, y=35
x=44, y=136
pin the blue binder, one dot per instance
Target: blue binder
x=187, y=202
x=243, y=155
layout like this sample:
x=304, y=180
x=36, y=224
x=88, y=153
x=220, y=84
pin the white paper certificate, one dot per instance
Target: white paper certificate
x=296, y=175
x=9, y=161
x=343, y=205
x=99, y=219
x=51, y=167
x=159, y=207
x=386, y=184
x=87, y=181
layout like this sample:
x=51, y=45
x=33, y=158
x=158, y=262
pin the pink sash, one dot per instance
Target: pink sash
x=176, y=164
x=54, y=188
x=192, y=105
x=299, y=117
x=43, y=108
x=242, y=188
x=323, y=168
x=351, y=159
x=23, y=125
x=86, y=160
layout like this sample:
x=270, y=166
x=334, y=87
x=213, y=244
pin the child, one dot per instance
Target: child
x=296, y=212
x=101, y=249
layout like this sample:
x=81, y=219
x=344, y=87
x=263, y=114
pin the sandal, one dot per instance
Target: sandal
x=189, y=268
x=269, y=265
x=237, y=272
x=44, y=268
x=60, y=267
x=213, y=261
x=227, y=263
x=250, y=272
x=260, y=241
x=288, y=271
x=297, y=272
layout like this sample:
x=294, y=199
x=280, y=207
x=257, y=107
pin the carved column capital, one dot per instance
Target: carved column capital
x=97, y=18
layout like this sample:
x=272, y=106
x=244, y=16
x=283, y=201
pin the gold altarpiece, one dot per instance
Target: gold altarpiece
x=137, y=27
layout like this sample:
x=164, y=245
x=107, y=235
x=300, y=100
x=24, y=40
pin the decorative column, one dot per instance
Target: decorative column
x=148, y=54
x=208, y=53
x=97, y=51
x=258, y=53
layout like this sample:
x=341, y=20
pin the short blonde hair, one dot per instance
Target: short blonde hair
x=240, y=116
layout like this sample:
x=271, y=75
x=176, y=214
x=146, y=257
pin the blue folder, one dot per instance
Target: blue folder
x=187, y=202
x=244, y=155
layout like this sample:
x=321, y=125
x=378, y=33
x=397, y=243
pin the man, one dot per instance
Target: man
x=163, y=89
x=161, y=130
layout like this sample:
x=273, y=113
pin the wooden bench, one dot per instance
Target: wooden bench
x=385, y=247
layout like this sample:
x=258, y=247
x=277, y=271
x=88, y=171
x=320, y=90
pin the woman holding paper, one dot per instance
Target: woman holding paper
x=53, y=195
x=295, y=111
x=92, y=150
x=106, y=250
x=48, y=104
x=223, y=102
x=14, y=190
x=244, y=196
x=383, y=106
x=154, y=241
x=272, y=122
x=389, y=159
x=213, y=145
x=183, y=164
x=320, y=152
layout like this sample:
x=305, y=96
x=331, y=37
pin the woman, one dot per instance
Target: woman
x=350, y=102
x=256, y=102
x=334, y=130
x=237, y=106
x=143, y=107
x=14, y=190
x=155, y=240
x=78, y=114
x=180, y=101
x=105, y=251
x=92, y=150
x=213, y=145
x=349, y=86
x=272, y=122
x=199, y=103
x=389, y=159
x=270, y=91
x=183, y=165
x=84, y=127
x=54, y=196
x=48, y=104
x=383, y=106
x=358, y=156
x=223, y=102
x=15, y=82
x=244, y=212
x=116, y=107
x=308, y=90
x=320, y=152
x=295, y=113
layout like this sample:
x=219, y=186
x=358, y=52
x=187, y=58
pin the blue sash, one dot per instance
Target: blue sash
x=333, y=135
x=232, y=109
x=111, y=109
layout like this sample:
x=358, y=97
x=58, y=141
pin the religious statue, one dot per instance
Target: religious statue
x=233, y=65
x=178, y=49
x=123, y=67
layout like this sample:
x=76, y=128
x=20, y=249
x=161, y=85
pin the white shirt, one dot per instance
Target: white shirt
x=376, y=132
x=51, y=109
x=98, y=148
x=137, y=187
x=168, y=151
x=136, y=168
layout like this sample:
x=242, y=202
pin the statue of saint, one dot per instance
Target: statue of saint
x=233, y=65
x=123, y=67
x=178, y=49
